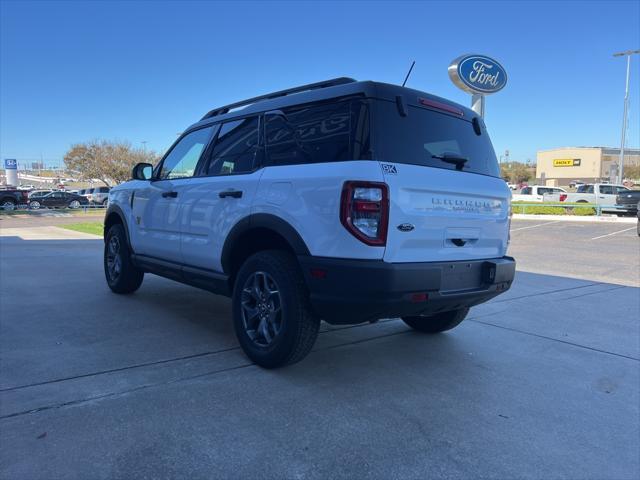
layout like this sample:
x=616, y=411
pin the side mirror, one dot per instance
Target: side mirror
x=142, y=171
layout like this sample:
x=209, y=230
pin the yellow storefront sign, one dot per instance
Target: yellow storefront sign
x=566, y=162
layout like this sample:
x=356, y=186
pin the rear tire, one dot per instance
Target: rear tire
x=440, y=322
x=272, y=316
x=122, y=276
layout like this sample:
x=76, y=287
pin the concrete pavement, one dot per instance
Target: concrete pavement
x=542, y=382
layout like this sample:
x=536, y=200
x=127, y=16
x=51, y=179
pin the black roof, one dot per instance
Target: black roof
x=334, y=88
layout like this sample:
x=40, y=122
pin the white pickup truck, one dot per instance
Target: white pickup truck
x=536, y=193
x=602, y=194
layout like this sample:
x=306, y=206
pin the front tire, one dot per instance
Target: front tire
x=74, y=204
x=272, y=316
x=34, y=205
x=440, y=322
x=8, y=205
x=122, y=276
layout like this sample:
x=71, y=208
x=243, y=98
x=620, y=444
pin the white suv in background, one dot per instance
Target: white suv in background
x=343, y=201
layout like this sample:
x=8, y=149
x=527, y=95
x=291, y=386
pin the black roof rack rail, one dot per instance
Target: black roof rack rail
x=289, y=91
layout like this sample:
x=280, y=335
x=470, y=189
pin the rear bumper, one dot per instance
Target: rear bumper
x=627, y=207
x=355, y=291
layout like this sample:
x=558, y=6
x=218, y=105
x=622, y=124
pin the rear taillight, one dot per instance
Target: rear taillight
x=364, y=211
x=563, y=197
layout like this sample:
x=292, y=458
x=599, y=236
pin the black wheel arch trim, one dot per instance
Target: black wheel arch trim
x=269, y=222
x=116, y=210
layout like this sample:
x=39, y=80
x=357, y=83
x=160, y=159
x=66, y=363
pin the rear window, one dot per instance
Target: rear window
x=425, y=134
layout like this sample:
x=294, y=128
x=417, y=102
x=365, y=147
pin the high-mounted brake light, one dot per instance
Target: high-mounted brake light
x=440, y=106
x=364, y=211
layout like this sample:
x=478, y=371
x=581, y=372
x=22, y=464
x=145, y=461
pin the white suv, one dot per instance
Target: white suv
x=343, y=201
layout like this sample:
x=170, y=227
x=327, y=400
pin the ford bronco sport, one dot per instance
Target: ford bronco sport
x=341, y=200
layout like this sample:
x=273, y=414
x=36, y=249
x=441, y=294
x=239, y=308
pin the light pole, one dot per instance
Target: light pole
x=144, y=145
x=620, y=174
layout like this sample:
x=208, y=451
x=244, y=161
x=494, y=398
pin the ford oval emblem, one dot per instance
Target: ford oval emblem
x=477, y=74
x=406, y=227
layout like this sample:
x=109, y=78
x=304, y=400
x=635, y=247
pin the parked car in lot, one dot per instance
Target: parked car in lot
x=602, y=194
x=11, y=198
x=86, y=193
x=99, y=196
x=58, y=200
x=35, y=194
x=536, y=193
x=575, y=183
x=627, y=202
x=344, y=201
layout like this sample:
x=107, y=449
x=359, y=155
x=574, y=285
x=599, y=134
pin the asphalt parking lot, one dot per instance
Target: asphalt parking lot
x=541, y=382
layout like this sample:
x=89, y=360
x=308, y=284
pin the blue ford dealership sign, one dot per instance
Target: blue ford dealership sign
x=477, y=74
x=10, y=164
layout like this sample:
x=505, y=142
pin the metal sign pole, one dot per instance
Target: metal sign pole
x=620, y=169
x=477, y=104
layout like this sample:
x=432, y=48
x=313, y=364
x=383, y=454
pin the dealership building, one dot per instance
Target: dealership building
x=559, y=166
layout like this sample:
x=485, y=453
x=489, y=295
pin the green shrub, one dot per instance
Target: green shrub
x=538, y=210
x=546, y=210
x=584, y=211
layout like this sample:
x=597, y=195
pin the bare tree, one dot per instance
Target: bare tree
x=108, y=161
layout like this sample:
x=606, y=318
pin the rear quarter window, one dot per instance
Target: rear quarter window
x=330, y=131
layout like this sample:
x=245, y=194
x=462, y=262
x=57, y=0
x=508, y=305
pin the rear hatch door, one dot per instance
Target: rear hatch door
x=447, y=202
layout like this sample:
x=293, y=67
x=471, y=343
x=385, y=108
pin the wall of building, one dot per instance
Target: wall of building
x=588, y=164
x=566, y=164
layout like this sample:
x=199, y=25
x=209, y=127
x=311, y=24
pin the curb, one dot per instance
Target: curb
x=576, y=218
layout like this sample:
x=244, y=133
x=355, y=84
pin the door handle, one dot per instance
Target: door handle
x=231, y=193
x=169, y=194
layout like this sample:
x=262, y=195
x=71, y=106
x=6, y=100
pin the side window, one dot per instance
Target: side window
x=311, y=134
x=606, y=190
x=542, y=191
x=236, y=147
x=183, y=158
x=525, y=191
x=620, y=190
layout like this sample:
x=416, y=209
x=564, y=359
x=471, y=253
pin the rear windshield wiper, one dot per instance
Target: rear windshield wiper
x=452, y=158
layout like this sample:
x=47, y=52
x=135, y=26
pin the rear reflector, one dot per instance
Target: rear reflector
x=318, y=273
x=419, y=297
